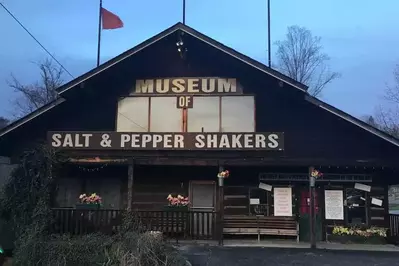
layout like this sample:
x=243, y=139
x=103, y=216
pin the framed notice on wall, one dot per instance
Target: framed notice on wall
x=334, y=204
x=282, y=201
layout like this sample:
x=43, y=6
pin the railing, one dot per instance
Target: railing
x=394, y=225
x=173, y=224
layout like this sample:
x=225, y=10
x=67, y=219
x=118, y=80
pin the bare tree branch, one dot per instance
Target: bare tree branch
x=392, y=92
x=301, y=58
x=34, y=96
x=387, y=120
x=387, y=116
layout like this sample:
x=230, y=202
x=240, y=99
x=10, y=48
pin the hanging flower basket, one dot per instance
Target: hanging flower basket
x=222, y=176
x=316, y=174
x=92, y=202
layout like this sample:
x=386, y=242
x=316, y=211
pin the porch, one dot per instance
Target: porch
x=173, y=225
x=240, y=208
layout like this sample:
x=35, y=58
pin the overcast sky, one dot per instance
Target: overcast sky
x=361, y=37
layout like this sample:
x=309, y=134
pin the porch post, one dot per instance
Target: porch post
x=312, y=182
x=130, y=184
x=221, y=208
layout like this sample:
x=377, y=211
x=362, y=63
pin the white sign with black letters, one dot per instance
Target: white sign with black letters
x=282, y=201
x=334, y=204
x=362, y=187
x=167, y=141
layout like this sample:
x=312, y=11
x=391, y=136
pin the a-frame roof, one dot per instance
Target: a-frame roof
x=74, y=84
x=196, y=34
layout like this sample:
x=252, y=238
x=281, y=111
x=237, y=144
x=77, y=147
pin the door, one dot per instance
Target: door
x=304, y=212
x=202, y=196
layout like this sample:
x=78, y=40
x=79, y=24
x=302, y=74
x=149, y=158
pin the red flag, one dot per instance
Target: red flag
x=110, y=20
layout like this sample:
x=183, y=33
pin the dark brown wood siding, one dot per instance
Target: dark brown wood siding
x=310, y=132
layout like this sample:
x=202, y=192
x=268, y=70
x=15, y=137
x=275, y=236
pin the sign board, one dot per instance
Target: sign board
x=376, y=201
x=362, y=187
x=334, y=204
x=254, y=201
x=167, y=141
x=265, y=186
x=184, y=101
x=184, y=85
x=282, y=201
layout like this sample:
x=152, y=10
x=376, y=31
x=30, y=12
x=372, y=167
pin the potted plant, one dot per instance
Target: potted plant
x=372, y=235
x=177, y=203
x=92, y=202
x=316, y=173
x=223, y=175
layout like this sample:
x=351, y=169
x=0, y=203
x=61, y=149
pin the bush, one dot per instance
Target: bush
x=25, y=207
x=132, y=249
x=63, y=250
x=143, y=250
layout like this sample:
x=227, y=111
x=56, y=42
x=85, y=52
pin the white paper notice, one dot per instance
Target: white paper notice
x=334, y=204
x=362, y=187
x=377, y=202
x=254, y=201
x=282, y=201
x=265, y=186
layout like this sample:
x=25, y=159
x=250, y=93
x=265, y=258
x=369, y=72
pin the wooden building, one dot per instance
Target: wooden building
x=167, y=115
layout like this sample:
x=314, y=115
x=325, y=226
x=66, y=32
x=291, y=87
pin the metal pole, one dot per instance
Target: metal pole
x=221, y=209
x=312, y=182
x=184, y=12
x=99, y=33
x=268, y=35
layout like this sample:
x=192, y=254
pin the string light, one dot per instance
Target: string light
x=181, y=48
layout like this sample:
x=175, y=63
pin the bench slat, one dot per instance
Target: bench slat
x=264, y=225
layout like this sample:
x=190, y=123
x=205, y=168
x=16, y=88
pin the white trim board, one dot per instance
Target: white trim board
x=73, y=84
x=182, y=28
x=32, y=115
x=352, y=120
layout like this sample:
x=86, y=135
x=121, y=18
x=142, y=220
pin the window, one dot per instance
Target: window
x=132, y=114
x=165, y=116
x=263, y=207
x=356, y=206
x=204, y=116
x=238, y=114
x=209, y=114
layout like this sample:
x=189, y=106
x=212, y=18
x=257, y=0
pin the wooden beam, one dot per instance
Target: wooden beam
x=312, y=219
x=229, y=158
x=97, y=160
x=130, y=184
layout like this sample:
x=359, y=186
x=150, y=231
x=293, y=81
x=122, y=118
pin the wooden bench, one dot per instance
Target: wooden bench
x=261, y=225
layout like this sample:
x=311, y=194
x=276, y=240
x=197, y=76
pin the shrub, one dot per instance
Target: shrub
x=25, y=205
x=133, y=249
x=63, y=251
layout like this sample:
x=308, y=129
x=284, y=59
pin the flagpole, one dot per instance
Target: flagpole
x=99, y=33
x=184, y=12
x=268, y=35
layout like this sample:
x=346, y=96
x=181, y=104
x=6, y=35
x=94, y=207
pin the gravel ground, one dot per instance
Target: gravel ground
x=255, y=256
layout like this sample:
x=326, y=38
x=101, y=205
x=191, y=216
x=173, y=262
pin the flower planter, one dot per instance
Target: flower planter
x=175, y=208
x=85, y=206
x=355, y=239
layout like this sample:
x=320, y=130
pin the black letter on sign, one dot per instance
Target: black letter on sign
x=184, y=102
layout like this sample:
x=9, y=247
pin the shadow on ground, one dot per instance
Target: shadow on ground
x=256, y=256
